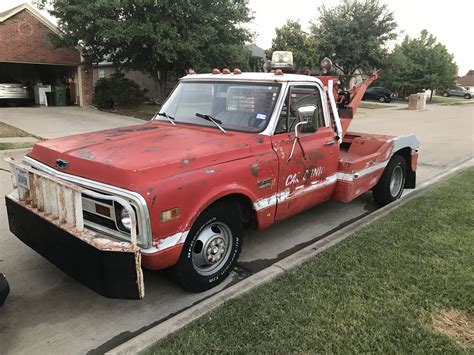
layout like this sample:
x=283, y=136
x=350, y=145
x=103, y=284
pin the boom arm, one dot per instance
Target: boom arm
x=356, y=93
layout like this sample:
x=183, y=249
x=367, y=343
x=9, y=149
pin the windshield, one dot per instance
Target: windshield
x=237, y=106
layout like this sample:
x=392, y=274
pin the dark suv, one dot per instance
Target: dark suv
x=457, y=91
x=378, y=94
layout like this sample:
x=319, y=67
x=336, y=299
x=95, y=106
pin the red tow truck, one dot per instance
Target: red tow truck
x=228, y=151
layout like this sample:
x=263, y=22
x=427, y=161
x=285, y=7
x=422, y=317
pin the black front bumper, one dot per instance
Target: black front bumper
x=111, y=273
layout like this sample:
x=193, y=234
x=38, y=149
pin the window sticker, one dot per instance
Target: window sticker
x=261, y=116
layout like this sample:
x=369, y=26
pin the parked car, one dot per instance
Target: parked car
x=14, y=91
x=4, y=289
x=457, y=91
x=378, y=94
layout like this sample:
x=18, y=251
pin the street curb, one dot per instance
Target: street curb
x=146, y=339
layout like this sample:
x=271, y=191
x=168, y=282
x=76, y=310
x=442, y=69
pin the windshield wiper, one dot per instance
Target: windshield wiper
x=213, y=120
x=164, y=114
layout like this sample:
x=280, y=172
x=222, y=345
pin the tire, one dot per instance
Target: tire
x=467, y=96
x=381, y=99
x=216, y=234
x=446, y=94
x=390, y=186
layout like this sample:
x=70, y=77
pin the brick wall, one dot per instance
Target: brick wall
x=23, y=38
x=87, y=75
x=141, y=78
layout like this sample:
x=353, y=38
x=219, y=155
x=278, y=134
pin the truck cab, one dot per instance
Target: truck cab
x=227, y=152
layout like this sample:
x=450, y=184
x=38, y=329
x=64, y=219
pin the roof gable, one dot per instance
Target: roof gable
x=467, y=80
x=13, y=11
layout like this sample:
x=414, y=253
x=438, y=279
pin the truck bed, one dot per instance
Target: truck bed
x=362, y=159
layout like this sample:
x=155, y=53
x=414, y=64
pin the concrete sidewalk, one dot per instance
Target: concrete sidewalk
x=53, y=122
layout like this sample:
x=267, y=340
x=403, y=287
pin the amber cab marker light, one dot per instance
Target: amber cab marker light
x=169, y=215
x=237, y=71
x=278, y=72
x=102, y=210
x=216, y=71
x=225, y=71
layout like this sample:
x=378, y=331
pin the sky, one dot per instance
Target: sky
x=451, y=22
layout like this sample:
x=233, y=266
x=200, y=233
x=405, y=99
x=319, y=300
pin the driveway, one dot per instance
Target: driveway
x=54, y=122
x=48, y=312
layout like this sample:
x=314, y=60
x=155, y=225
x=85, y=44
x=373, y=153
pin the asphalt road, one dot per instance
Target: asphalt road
x=48, y=312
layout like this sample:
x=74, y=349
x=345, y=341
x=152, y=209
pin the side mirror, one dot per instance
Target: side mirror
x=297, y=140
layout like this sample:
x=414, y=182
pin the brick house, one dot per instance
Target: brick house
x=27, y=56
x=467, y=81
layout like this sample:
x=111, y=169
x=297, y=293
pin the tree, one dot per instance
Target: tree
x=417, y=64
x=470, y=72
x=353, y=34
x=290, y=37
x=160, y=37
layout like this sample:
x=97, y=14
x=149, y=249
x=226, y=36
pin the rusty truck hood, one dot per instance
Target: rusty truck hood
x=129, y=157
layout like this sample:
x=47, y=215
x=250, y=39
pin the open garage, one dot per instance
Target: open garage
x=30, y=65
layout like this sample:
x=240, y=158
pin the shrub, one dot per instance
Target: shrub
x=117, y=91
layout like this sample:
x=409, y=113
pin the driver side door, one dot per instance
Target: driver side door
x=307, y=176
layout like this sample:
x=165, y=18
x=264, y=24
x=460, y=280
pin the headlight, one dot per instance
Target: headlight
x=125, y=220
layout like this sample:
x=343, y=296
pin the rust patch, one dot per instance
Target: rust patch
x=188, y=160
x=85, y=154
x=254, y=169
x=153, y=149
x=456, y=324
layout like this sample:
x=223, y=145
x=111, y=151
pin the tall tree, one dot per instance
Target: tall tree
x=354, y=34
x=290, y=37
x=160, y=37
x=419, y=63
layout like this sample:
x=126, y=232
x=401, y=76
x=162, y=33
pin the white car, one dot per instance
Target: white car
x=14, y=91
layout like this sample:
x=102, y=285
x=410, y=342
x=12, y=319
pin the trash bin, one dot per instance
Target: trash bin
x=59, y=96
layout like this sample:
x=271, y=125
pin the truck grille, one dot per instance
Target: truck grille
x=62, y=201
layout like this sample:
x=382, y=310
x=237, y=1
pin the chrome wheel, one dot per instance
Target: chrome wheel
x=212, y=248
x=396, y=181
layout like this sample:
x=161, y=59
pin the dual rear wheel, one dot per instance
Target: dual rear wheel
x=392, y=182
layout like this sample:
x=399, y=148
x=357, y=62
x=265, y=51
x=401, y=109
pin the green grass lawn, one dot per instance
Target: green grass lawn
x=397, y=285
x=16, y=145
x=7, y=131
x=145, y=112
x=444, y=101
x=450, y=101
x=372, y=105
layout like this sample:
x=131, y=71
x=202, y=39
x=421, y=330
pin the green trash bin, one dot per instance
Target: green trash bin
x=59, y=96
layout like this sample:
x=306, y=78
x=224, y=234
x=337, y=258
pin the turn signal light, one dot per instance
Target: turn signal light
x=102, y=210
x=216, y=71
x=169, y=215
x=237, y=71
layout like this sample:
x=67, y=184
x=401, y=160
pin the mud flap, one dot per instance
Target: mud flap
x=112, y=269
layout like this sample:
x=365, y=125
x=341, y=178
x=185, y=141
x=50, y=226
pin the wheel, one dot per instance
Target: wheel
x=391, y=183
x=381, y=99
x=211, y=249
x=467, y=96
x=445, y=94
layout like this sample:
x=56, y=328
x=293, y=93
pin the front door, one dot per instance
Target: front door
x=307, y=173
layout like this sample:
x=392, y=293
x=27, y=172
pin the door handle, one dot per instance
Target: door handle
x=329, y=143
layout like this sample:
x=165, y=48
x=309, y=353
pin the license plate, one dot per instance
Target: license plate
x=22, y=178
x=15, y=90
